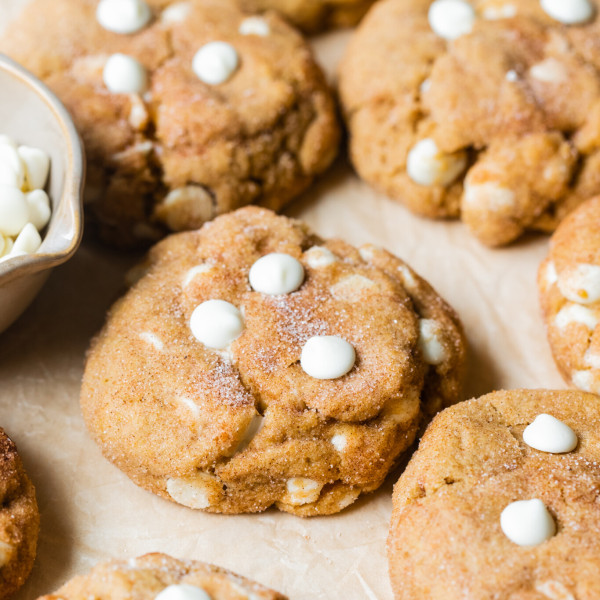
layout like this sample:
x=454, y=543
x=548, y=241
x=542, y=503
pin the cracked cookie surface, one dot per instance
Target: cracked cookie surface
x=498, y=126
x=569, y=287
x=472, y=463
x=19, y=520
x=243, y=427
x=183, y=151
x=151, y=575
x=313, y=15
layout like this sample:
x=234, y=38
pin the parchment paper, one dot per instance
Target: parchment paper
x=91, y=511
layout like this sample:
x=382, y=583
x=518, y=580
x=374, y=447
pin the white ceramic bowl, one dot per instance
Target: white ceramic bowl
x=32, y=115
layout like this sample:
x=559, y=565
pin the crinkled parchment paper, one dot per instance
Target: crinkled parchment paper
x=91, y=511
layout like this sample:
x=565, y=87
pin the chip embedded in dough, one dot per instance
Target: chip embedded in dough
x=222, y=119
x=493, y=517
x=152, y=575
x=569, y=289
x=243, y=424
x=484, y=110
x=19, y=520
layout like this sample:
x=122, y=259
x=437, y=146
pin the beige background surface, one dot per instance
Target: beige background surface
x=90, y=511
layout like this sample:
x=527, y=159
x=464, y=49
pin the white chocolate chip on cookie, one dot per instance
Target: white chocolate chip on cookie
x=255, y=26
x=276, y=274
x=301, y=490
x=427, y=165
x=176, y=13
x=327, y=357
x=549, y=434
x=569, y=12
x=575, y=313
x=216, y=323
x=123, y=16
x=215, y=62
x=182, y=591
x=123, y=74
x=433, y=351
x=319, y=256
x=550, y=70
x=581, y=284
x=527, y=522
x=451, y=18
x=194, y=492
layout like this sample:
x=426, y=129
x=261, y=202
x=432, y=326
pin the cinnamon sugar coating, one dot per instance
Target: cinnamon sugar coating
x=185, y=151
x=240, y=429
x=446, y=540
x=19, y=520
x=516, y=102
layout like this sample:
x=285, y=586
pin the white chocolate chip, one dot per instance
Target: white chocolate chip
x=194, y=272
x=506, y=11
x=549, y=434
x=351, y=288
x=215, y=62
x=8, y=141
x=190, y=405
x=37, y=166
x=153, y=340
x=319, y=256
x=549, y=70
x=575, y=313
x=425, y=86
x=581, y=284
x=327, y=357
x=451, y=18
x=426, y=165
x=408, y=279
x=123, y=16
x=138, y=115
x=123, y=74
x=592, y=359
x=488, y=195
x=182, y=591
x=139, y=148
x=28, y=241
x=569, y=12
x=512, y=75
x=176, y=13
x=6, y=244
x=252, y=430
x=276, y=274
x=301, y=490
x=6, y=553
x=551, y=276
x=339, y=442
x=199, y=491
x=38, y=205
x=255, y=26
x=216, y=323
x=554, y=590
x=430, y=332
x=527, y=522
x=14, y=213
x=12, y=170
x=586, y=381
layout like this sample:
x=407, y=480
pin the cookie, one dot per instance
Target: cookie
x=569, y=288
x=313, y=15
x=257, y=364
x=19, y=520
x=502, y=500
x=187, y=110
x=159, y=576
x=486, y=111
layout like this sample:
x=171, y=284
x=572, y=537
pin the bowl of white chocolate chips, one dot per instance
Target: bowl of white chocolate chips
x=41, y=181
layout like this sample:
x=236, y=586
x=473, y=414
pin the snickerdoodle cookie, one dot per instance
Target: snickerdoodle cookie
x=502, y=500
x=187, y=110
x=486, y=110
x=161, y=577
x=256, y=364
x=19, y=520
x=313, y=15
x=569, y=285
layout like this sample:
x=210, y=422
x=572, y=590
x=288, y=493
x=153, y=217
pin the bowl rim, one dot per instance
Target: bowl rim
x=72, y=193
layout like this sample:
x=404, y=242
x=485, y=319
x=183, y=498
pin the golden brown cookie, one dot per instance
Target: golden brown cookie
x=485, y=110
x=569, y=286
x=19, y=520
x=313, y=15
x=161, y=577
x=481, y=513
x=181, y=138
x=228, y=383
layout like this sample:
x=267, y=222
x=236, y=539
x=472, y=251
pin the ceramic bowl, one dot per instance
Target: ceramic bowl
x=32, y=115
